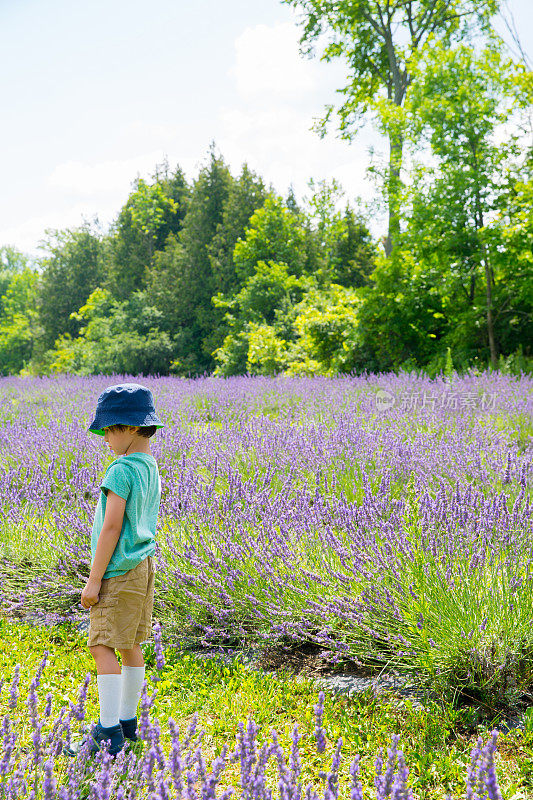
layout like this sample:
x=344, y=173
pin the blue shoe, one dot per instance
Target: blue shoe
x=129, y=729
x=97, y=735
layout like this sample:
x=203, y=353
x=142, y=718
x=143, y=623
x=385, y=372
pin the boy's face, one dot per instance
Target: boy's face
x=118, y=441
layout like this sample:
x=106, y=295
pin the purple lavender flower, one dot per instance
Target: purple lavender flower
x=384, y=781
x=158, y=646
x=271, y=515
x=507, y=476
x=486, y=777
x=49, y=783
x=154, y=776
x=319, y=730
x=356, y=789
x=78, y=710
x=400, y=789
x=191, y=732
x=175, y=762
x=211, y=781
x=146, y=703
x=295, y=766
x=332, y=778
x=13, y=691
x=48, y=706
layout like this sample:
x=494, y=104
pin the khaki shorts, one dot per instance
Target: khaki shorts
x=122, y=617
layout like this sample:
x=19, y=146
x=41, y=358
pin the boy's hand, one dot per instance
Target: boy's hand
x=90, y=594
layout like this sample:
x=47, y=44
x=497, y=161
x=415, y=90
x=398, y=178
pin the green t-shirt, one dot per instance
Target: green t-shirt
x=136, y=479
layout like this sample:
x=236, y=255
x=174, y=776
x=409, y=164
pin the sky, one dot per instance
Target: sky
x=94, y=94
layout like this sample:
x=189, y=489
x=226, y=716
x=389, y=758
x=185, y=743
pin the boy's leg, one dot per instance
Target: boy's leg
x=105, y=659
x=133, y=669
x=108, y=727
x=133, y=657
x=109, y=681
x=133, y=673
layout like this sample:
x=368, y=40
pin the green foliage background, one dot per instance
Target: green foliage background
x=223, y=275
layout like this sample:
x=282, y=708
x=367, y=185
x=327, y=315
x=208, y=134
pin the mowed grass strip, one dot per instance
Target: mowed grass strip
x=436, y=740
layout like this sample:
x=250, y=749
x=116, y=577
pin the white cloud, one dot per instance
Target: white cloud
x=149, y=132
x=280, y=93
x=278, y=143
x=267, y=61
x=27, y=235
x=276, y=95
x=78, y=190
x=103, y=178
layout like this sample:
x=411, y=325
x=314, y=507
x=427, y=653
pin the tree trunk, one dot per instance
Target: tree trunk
x=472, y=286
x=490, y=323
x=488, y=282
x=393, y=191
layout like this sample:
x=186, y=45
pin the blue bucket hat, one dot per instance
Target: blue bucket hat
x=124, y=404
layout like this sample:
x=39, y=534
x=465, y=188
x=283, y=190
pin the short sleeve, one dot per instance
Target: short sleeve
x=118, y=479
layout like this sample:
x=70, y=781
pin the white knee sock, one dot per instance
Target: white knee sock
x=109, y=697
x=132, y=682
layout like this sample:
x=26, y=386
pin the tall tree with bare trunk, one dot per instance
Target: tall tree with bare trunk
x=378, y=39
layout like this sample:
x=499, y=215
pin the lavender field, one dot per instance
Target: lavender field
x=385, y=520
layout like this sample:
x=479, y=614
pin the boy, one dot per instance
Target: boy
x=119, y=592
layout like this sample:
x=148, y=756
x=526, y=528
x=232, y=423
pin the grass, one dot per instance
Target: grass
x=436, y=740
x=33, y=539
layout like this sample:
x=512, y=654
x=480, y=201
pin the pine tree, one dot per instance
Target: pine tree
x=71, y=271
x=152, y=212
x=181, y=281
x=247, y=193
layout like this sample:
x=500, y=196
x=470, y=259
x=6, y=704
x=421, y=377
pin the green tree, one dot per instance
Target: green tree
x=71, y=270
x=181, y=281
x=327, y=332
x=355, y=253
x=509, y=240
x=172, y=288
x=291, y=202
x=281, y=323
x=245, y=196
x=324, y=226
x=400, y=317
x=115, y=338
x=12, y=261
x=461, y=100
x=343, y=250
x=267, y=299
x=274, y=234
x=153, y=211
x=167, y=285
x=379, y=40
x=267, y=351
x=18, y=320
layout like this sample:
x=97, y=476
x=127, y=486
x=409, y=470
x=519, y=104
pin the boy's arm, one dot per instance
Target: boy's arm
x=107, y=541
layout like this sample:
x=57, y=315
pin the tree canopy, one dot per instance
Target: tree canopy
x=379, y=41
x=223, y=275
